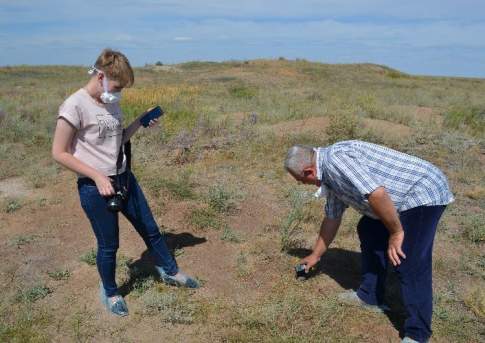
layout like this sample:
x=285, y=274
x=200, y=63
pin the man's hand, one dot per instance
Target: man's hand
x=394, y=249
x=309, y=262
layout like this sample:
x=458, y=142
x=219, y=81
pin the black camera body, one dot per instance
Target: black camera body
x=301, y=274
x=115, y=203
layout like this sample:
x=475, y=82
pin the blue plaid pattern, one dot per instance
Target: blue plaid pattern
x=351, y=170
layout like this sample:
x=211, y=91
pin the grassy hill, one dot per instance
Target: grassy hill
x=214, y=177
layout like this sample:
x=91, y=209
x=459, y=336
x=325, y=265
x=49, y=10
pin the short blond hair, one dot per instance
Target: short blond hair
x=116, y=67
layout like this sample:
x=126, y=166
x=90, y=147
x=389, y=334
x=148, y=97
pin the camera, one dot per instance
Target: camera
x=115, y=203
x=301, y=274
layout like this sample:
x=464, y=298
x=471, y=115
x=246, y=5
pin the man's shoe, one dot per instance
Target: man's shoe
x=351, y=298
x=115, y=305
x=180, y=279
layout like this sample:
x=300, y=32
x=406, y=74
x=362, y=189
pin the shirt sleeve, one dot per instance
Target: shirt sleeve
x=70, y=112
x=334, y=207
x=354, y=172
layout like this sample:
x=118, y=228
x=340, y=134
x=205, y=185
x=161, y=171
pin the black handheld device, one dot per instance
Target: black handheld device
x=300, y=272
x=152, y=114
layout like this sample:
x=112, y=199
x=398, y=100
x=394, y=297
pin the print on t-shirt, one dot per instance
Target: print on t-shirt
x=109, y=125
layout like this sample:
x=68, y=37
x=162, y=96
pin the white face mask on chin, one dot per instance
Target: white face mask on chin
x=108, y=97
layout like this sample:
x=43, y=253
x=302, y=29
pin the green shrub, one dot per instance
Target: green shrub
x=203, y=218
x=89, y=257
x=475, y=228
x=220, y=200
x=33, y=294
x=471, y=119
x=242, y=92
x=229, y=235
x=59, y=274
x=342, y=127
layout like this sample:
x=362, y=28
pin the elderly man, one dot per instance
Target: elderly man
x=401, y=198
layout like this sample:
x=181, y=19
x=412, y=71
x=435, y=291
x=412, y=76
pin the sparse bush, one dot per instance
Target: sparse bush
x=20, y=240
x=242, y=91
x=59, y=275
x=229, y=235
x=204, y=218
x=33, y=294
x=89, y=257
x=342, y=127
x=170, y=306
x=13, y=205
x=290, y=227
x=221, y=200
x=474, y=226
x=470, y=119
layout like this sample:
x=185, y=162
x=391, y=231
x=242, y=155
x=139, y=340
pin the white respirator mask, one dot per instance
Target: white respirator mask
x=106, y=97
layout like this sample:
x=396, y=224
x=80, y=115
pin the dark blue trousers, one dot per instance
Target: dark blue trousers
x=414, y=273
x=106, y=229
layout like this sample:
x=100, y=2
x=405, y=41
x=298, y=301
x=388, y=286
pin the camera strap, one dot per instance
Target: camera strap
x=125, y=149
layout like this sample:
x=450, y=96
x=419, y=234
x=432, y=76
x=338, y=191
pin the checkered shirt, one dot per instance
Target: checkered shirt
x=351, y=170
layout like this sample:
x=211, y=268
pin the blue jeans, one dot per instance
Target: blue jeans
x=106, y=229
x=414, y=272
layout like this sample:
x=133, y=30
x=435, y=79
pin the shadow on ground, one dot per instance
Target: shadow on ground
x=144, y=267
x=344, y=266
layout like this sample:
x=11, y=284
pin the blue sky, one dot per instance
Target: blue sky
x=433, y=37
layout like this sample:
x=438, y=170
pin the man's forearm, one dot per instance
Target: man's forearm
x=328, y=230
x=383, y=207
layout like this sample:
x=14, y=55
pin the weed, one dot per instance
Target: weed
x=33, y=294
x=220, y=200
x=59, y=275
x=169, y=306
x=229, y=235
x=21, y=240
x=89, y=257
x=204, y=218
x=13, y=205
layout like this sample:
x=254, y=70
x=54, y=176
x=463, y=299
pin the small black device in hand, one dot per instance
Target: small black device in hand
x=115, y=203
x=154, y=113
x=301, y=274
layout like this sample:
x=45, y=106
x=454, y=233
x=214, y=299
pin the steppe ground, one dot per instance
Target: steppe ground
x=213, y=174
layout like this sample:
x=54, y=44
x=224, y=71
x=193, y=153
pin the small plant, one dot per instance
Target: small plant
x=291, y=224
x=141, y=285
x=229, y=235
x=220, y=200
x=33, y=294
x=13, y=205
x=59, y=275
x=20, y=240
x=475, y=228
x=89, y=257
x=171, y=307
x=181, y=187
x=242, y=265
x=204, y=218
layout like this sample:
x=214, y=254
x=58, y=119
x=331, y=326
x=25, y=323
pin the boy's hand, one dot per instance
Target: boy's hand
x=105, y=187
x=153, y=122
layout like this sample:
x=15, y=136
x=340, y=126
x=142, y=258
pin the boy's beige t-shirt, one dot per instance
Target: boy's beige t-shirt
x=99, y=131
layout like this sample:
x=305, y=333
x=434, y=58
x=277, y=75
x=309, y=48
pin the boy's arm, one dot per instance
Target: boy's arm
x=135, y=125
x=61, y=153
